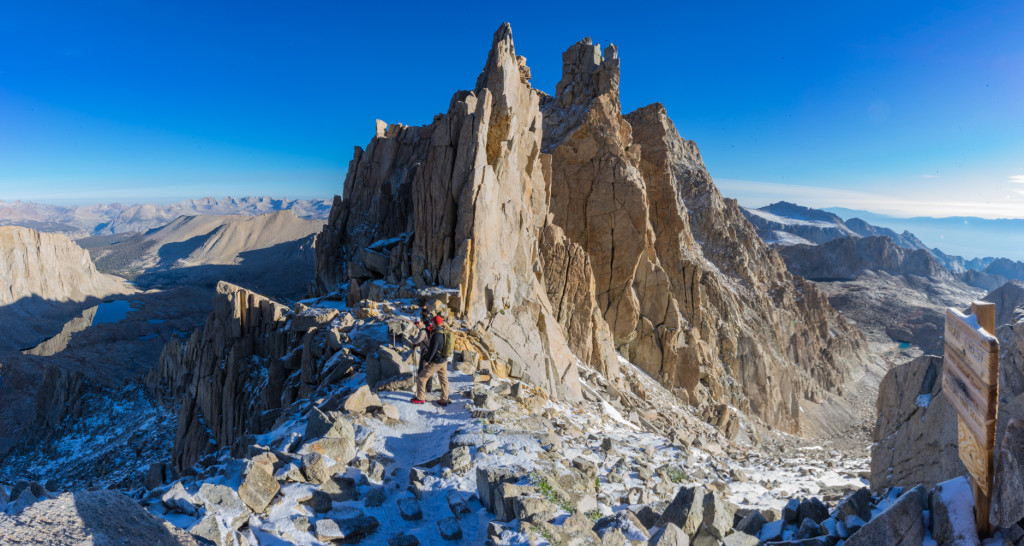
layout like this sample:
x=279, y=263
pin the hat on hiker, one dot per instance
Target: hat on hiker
x=438, y=320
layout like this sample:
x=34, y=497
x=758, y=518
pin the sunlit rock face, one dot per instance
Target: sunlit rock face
x=691, y=293
x=574, y=230
x=460, y=203
x=51, y=267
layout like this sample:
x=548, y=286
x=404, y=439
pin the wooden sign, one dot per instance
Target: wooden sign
x=970, y=380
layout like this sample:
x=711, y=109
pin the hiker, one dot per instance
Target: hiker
x=435, y=359
x=418, y=343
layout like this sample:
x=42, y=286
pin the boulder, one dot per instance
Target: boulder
x=376, y=496
x=322, y=425
x=857, y=504
x=739, y=538
x=314, y=468
x=385, y=364
x=487, y=482
x=359, y=401
x=340, y=450
x=670, y=535
x=155, y=475
x=409, y=509
x=313, y=317
x=457, y=459
x=1007, y=499
x=686, y=510
x=812, y=509
x=533, y=509
x=808, y=529
x=626, y=523
x=752, y=523
x=914, y=443
x=179, y=500
x=320, y=502
x=223, y=502
x=341, y=488
x=457, y=504
x=718, y=516
x=403, y=540
x=348, y=530
x=901, y=524
x=790, y=511
x=449, y=528
x=258, y=486
x=952, y=514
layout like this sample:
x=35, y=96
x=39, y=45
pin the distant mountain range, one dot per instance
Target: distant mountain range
x=792, y=225
x=966, y=236
x=108, y=219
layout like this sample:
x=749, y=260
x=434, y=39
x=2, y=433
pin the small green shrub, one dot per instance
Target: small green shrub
x=677, y=474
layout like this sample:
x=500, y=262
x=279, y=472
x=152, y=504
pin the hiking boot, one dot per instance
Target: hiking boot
x=443, y=403
x=417, y=401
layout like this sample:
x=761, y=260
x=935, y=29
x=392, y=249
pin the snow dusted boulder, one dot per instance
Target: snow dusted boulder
x=314, y=468
x=625, y=522
x=952, y=510
x=258, y=486
x=179, y=500
x=901, y=524
x=348, y=530
x=857, y=504
x=409, y=509
x=449, y=528
x=225, y=503
x=312, y=317
x=322, y=425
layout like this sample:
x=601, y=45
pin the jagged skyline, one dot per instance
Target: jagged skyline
x=906, y=110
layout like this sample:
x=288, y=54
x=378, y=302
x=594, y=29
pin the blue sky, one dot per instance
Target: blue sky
x=907, y=109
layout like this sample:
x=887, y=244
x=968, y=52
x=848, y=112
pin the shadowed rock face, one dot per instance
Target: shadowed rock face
x=614, y=236
x=847, y=257
x=216, y=377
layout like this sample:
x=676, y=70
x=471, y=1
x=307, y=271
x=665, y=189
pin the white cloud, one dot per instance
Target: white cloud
x=1017, y=179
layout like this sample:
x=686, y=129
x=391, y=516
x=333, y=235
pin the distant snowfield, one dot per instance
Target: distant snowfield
x=790, y=221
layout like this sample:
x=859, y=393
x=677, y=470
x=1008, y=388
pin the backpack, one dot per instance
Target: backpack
x=449, y=342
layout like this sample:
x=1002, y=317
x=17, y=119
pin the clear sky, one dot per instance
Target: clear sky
x=896, y=107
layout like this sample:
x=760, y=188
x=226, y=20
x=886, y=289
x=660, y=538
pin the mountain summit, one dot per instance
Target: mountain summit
x=532, y=207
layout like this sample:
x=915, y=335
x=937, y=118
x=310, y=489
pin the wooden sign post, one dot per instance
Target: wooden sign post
x=970, y=380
